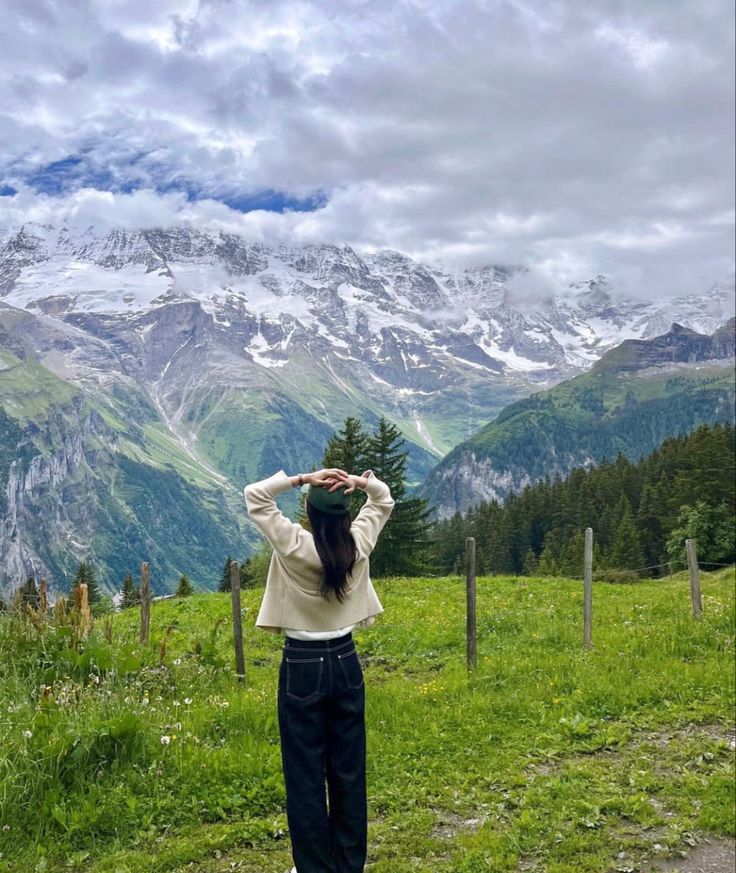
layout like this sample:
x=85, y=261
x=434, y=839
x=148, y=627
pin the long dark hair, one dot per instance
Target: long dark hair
x=336, y=548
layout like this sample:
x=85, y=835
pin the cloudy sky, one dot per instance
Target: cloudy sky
x=573, y=137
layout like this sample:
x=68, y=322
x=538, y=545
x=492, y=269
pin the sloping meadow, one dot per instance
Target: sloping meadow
x=115, y=757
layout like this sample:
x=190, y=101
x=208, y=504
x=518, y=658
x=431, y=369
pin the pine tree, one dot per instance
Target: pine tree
x=345, y=450
x=301, y=510
x=29, y=593
x=185, y=588
x=93, y=589
x=529, y=567
x=403, y=547
x=404, y=544
x=247, y=574
x=85, y=574
x=548, y=561
x=259, y=563
x=649, y=526
x=448, y=544
x=572, y=555
x=383, y=455
x=131, y=593
x=224, y=584
x=625, y=552
x=493, y=542
x=657, y=494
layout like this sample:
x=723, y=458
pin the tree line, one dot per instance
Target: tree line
x=641, y=512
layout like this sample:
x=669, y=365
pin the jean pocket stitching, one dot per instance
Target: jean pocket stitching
x=318, y=683
x=345, y=672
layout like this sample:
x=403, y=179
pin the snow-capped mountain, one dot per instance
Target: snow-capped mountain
x=365, y=308
x=439, y=352
x=223, y=359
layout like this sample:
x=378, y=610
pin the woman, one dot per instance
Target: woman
x=318, y=590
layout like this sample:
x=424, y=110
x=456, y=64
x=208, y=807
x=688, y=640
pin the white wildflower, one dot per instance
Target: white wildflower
x=177, y=661
x=165, y=740
x=28, y=734
x=187, y=700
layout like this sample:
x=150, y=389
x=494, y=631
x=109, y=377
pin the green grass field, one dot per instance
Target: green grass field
x=548, y=758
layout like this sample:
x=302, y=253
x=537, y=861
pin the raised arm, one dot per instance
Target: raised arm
x=375, y=512
x=260, y=500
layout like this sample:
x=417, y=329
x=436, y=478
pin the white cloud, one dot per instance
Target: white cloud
x=574, y=138
x=644, y=52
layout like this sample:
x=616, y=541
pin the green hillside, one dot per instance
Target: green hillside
x=102, y=480
x=602, y=413
x=117, y=759
x=579, y=422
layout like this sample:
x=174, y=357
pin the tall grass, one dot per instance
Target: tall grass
x=107, y=748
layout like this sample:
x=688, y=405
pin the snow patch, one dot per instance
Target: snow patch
x=423, y=432
x=95, y=288
x=258, y=349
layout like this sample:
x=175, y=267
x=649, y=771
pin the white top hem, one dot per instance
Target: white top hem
x=318, y=635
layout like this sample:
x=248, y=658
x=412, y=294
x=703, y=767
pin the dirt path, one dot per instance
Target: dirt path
x=712, y=856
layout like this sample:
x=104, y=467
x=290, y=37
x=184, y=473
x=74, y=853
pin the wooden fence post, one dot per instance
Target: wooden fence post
x=145, y=603
x=588, y=589
x=471, y=655
x=44, y=602
x=692, y=564
x=237, y=620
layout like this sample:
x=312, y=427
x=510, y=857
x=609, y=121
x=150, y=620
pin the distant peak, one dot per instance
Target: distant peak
x=678, y=328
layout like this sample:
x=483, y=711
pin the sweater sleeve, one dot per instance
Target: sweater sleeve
x=260, y=500
x=374, y=513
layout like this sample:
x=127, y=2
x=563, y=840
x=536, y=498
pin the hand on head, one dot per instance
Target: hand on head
x=330, y=478
x=333, y=478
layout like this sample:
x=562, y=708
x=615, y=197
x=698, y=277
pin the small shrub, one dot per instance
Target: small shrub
x=185, y=589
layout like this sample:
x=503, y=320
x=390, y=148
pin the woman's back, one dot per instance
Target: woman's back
x=293, y=596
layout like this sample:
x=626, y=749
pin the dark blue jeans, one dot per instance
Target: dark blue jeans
x=321, y=704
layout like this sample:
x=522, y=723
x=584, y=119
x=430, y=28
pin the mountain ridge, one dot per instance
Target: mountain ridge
x=637, y=395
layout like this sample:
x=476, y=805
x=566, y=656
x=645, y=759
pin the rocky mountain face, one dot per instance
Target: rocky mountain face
x=84, y=473
x=679, y=345
x=636, y=396
x=218, y=360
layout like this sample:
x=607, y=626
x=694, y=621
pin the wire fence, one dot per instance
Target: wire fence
x=670, y=565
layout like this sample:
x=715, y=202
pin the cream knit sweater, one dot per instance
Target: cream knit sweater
x=292, y=598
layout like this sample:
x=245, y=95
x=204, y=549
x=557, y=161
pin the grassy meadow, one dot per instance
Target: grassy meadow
x=115, y=759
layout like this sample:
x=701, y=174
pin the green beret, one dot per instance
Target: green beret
x=330, y=502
